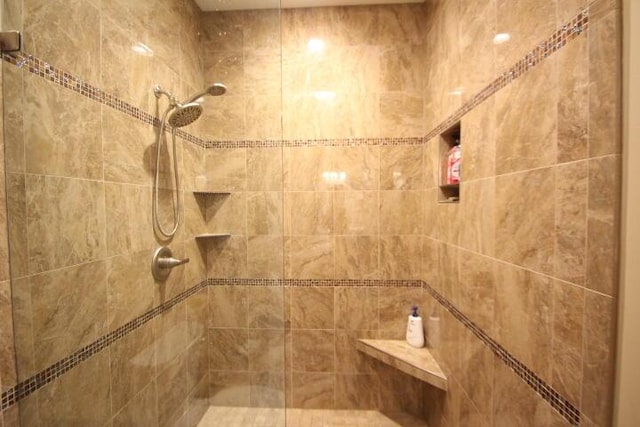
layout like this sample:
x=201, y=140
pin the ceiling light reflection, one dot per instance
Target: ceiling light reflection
x=501, y=38
x=334, y=177
x=142, y=49
x=315, y=45
x=324, y=95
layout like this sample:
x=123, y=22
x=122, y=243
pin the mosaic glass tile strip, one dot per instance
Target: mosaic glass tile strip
x=575, y=27
x=572, y=29
x=329, y=283
x=337, y=142
x=11, y=396
x=557, y=401
x=30, y=385
x=47, y=71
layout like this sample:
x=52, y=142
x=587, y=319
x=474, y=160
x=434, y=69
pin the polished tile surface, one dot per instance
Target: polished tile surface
x=54, y=144
x=79, y=212
x=529, y=253
x=276, y=417
x=66, y=222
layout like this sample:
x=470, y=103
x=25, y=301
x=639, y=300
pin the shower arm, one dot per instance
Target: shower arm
x=215, y=89
x=195, y=97
x=158, y=92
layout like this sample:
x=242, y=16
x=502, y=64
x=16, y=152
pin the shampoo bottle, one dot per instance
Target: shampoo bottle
x=415, y=332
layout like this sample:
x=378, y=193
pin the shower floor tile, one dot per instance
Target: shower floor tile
x=276, y=417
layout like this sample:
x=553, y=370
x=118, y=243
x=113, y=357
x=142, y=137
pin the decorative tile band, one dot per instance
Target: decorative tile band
x=30, y=385
x=323, y=142
x=62, y=78
x=39, y=380
x=555, y=399
x=556, y=41
x=576, y=26
x=322, y=283
x=572, y=29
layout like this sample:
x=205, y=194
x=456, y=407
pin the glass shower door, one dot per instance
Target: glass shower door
x=248, y=366
x=97, y=339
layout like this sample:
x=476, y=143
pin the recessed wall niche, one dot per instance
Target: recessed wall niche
x=450, y=171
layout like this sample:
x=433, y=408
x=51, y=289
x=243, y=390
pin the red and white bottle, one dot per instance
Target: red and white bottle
x=454, y=161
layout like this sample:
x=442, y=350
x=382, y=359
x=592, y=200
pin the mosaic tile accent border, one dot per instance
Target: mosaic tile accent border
x=562, y=405
x=572, y=29
x=11, y=396
x=575, y=27
x=62, y=78
x=555, y=399
x=324, y=142
x=323, y=283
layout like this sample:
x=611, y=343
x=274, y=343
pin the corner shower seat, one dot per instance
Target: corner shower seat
x=417, y=362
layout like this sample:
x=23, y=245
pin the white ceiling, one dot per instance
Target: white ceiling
x=214, y=5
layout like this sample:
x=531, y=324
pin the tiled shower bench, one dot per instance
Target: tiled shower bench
x=417, y=362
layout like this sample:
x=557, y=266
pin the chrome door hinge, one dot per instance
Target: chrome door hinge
x=10, y=41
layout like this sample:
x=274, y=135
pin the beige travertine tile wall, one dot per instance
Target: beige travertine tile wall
x=271, y=346
x=318, y=230
x=370, y=67
x=530, y=252
x=320, y=212
x=334, y=210
x=79, y=212
x=242, y=50
x=536, y=270
x=312, y=225
x=365, y=80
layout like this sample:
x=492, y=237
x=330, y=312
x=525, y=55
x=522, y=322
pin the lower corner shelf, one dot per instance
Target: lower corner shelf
x=213, y=236
x=417, y=362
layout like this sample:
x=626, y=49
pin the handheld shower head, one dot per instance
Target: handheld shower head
x=185, y=114
x=215, y=89
x=177, y=114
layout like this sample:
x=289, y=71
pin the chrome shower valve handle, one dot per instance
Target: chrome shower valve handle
x=171, y=262
x=163, y=261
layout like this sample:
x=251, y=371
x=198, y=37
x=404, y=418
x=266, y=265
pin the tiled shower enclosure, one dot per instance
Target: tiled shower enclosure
x=313, y=213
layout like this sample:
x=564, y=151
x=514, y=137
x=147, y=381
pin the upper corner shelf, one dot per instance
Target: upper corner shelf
x=417, y=362
x=213, y=236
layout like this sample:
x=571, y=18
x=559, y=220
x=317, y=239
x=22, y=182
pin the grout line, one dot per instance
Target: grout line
x=552, y=165
x=520, y=267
